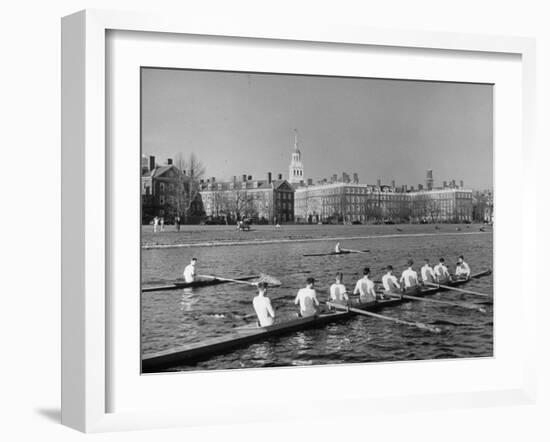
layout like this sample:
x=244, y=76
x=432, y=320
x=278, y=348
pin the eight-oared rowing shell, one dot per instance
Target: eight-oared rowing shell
x=244, y=336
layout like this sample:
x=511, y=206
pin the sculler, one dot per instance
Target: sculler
x=338, y=290
x=409, y=278
x=307, y=298
x=262, y=306
x=462, y=269
x=441, y=271
x=189, y=273
x=390, y=282
x=337, y=248
x=427, y=273
x=365, y=288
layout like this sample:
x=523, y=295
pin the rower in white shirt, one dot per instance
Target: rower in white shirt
x=441, y=272
x=262, y=307
x=338, y=290
x=427, y=273
x=462, y=268
x=307, y=298
x=337, y=248
x=189, y=273
x=409, y=278
x=390, y=282
x=365, y=288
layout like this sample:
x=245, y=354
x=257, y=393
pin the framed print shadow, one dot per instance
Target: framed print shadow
x=280, y=228
x=250, y=204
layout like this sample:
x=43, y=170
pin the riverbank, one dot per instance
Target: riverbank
x=206, y=236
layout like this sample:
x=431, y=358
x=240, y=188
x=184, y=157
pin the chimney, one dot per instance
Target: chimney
x=310, y=182
x=169, y=161
x=151, y=162
x=453, y=183
x=213, y=179
x=356, y=178
x=244, y=178
x=444, y=184
x=393, y=183
x=461, y=184
x=378, y=182
x=269, y=177
x=420, y=187
x=234, y=178
x=249, y=177
x=280, y=176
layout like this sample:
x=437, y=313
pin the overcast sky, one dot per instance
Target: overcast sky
x=240, y=123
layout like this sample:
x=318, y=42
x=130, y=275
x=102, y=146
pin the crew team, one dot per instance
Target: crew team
x=365, y=289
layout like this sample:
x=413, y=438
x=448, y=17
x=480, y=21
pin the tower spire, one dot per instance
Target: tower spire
x=296, y=168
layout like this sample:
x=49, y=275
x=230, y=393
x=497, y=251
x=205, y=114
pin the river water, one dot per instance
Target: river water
x=174, y=318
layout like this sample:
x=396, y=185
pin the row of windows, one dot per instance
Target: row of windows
x=284, y=195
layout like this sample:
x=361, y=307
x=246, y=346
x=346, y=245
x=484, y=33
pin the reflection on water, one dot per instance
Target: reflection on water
x=179, y=317
x=187, y=300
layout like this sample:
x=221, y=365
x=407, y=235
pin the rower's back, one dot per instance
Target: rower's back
x=306, y=298
x=264, y=310
x=337, y=291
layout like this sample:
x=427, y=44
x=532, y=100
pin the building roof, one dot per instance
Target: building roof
x=250, y=185
x=164, y=172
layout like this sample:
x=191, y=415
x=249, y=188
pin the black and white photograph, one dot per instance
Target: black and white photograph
x=299, y=220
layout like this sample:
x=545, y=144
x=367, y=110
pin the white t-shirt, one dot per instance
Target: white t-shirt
x=264, y=310
x=463, y=269
x=410, y=278
x=428, y=274
x=441, y=271
x=365, y=289
x=337, y=292
x=189, y=273
x=390, y=282
x=307, y=298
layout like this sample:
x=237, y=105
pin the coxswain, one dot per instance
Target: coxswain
x=262, y=306
x=365, y=288
x=189, y=273
x=427, y=273
x=441, y=271
x=338, y=290
x=462, y=269
x=409, y=277
x=307, y=298
x=390, y=282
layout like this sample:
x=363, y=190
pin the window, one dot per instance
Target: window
x=161, y=200
x=161, y=187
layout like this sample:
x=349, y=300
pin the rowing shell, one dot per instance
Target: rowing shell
x=197, y=283
x=192, y=353
x=343, y=252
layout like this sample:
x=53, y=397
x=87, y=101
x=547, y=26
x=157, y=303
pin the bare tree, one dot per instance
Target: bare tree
x=433, y=209
x=189, y=183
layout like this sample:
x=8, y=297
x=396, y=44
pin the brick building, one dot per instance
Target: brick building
x=263, y=201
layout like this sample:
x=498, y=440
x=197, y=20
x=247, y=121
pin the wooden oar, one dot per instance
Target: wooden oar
x=354, y=251
x=449, y=287
x=263, y=278
x=437, y=301
x=420, y=325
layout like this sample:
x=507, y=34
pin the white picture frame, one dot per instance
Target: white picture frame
x=86, y=315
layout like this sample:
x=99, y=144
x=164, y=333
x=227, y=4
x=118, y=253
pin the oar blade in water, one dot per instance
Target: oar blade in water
x=270, y=280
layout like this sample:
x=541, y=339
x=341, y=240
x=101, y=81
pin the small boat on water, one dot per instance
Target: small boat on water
x=341, y=252
x=243, y=336
x=203, y=282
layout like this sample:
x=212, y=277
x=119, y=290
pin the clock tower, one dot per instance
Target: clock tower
x=296, y=168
